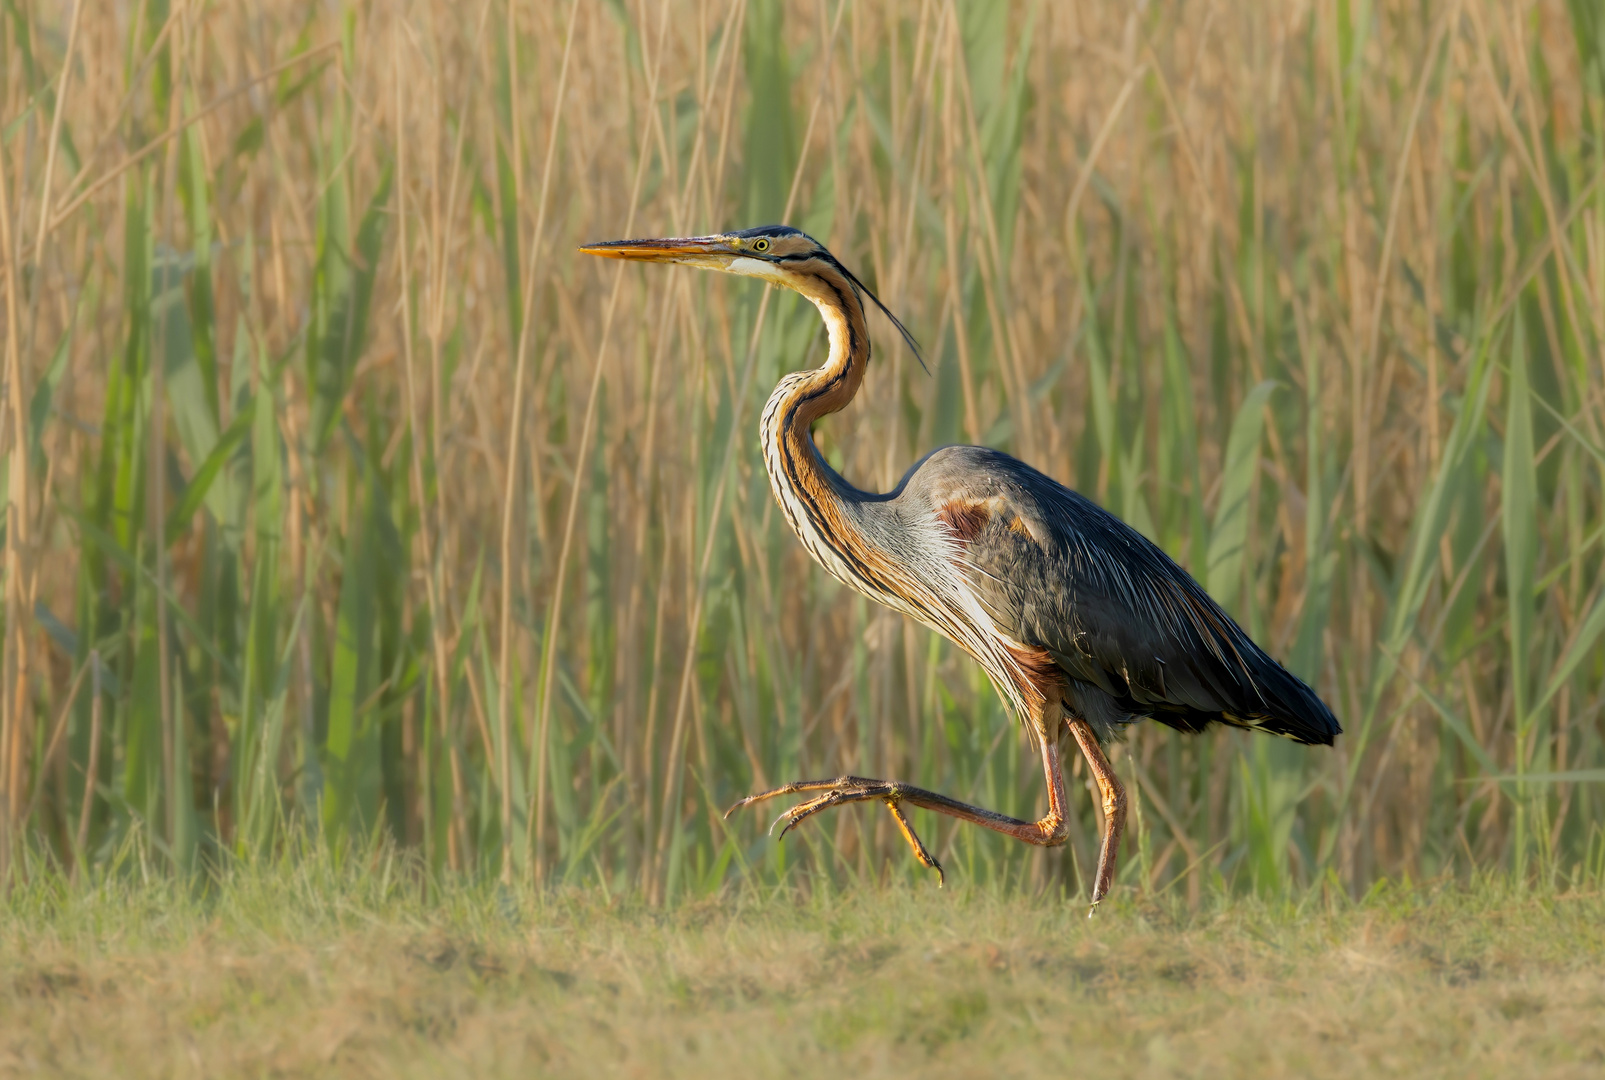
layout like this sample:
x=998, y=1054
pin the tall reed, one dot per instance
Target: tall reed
x=342, y=496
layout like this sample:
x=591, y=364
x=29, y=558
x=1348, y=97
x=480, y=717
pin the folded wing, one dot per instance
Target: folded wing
x=1133, y=633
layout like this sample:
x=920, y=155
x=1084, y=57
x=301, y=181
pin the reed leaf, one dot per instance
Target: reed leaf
x=1228, y=537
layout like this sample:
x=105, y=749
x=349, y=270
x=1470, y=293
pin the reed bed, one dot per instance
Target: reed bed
x=345, y=501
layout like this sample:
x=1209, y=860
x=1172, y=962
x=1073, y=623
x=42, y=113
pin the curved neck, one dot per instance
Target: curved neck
x=811, y=494
x=803, y=397
x=813, y=394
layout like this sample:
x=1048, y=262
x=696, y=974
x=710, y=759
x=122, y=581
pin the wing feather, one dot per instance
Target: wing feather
x=1133, y=632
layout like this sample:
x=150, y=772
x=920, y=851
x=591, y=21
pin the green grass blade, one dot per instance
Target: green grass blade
x=507, y=191
x=1518, y=523
x=1099, y=405
x=39, y=406
x=1453, y=722
x=255, y=761
x=193, y=188
x=1432, y=516
x=341, y=297
x=142, y=733
x=1518, y=505
x=1568, y=776
x=350, y=749
x=771, y=143
x=1580, y=649
x=1181, y=425
x=1228, y=539
x=1320, y=560
x=201, y=484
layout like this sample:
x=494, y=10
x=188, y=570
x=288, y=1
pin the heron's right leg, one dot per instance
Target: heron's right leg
x=1114, y=807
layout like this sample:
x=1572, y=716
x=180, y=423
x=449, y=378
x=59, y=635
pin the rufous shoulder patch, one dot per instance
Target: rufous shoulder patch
x=965, y=518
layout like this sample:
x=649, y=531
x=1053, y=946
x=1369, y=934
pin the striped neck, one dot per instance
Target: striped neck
x=811, y=494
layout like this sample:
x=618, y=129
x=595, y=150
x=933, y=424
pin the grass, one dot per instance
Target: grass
x=298, y=968
x=342, y=496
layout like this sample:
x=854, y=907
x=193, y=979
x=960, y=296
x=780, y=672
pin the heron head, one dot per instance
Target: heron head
x=778, y=254
x=763, y=252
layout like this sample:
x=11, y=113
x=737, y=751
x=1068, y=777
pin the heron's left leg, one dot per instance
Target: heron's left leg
x=850, y=789
x=1048, y=831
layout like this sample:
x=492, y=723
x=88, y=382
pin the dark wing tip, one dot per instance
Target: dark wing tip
x=1300, y=714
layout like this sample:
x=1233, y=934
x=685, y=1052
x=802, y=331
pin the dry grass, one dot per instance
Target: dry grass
x=268, y=980
x=382, y=509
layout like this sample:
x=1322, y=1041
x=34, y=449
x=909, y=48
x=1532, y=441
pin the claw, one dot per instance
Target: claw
x=748, y=801
x=826, y=794
x=805, y=810
x=792, y=820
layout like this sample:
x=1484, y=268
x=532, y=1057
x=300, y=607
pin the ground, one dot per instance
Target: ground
x=315, y=977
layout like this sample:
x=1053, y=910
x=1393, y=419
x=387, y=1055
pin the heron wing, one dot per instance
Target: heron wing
x=1133, y=632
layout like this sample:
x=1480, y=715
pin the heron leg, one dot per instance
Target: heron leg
x=1114, y=807
x=1049, y=831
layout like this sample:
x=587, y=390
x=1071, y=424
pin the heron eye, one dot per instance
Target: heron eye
x=760, y=244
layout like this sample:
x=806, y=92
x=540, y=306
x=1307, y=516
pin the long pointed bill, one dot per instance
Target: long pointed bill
x=712, y=252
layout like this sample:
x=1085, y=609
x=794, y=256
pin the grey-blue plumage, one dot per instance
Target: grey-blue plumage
x=1134, y=635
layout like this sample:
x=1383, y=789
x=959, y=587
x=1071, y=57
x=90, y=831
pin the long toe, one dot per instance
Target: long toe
x=803, y=811
x=920, y=852
x=793, y=788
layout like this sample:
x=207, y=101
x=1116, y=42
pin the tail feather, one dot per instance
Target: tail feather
x=1278, y=703
x=1288, y=707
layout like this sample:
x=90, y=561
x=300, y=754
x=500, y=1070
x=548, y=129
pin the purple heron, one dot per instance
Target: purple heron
x=1083, y=625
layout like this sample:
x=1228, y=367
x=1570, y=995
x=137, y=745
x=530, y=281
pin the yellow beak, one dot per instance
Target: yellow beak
x=714, y=252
